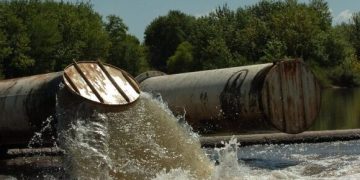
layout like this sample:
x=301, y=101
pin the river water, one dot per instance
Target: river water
x=148, y=142
x=340, y=109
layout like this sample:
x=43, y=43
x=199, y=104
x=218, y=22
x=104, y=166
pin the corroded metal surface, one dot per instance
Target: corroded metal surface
x=27, y=102
x=101, y=83
x=290, y=97
x=238, y=99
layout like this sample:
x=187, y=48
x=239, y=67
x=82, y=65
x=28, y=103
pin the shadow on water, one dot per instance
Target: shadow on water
x=340, y=109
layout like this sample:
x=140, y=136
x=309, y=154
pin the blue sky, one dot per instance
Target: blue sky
x=137, y=14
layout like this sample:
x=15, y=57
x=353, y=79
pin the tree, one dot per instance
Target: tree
x=5, y=51
x=17, y=62
x=182, y=60
x=274, y=51
x=355, y=33
x=44, y=37
x=116, y=28
x=82, y=32
x=217, y=55
x=125, y=50
x=322, y=11
x=164, y=34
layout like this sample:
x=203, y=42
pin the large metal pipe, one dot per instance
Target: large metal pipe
x=26, y=103
x=283, y=96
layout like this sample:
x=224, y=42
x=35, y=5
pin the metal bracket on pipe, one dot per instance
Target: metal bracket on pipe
x=101, y=83
x=87, y=82
x=113, y=81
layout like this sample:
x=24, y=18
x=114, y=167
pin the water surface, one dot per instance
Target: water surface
x=340, y=109
x=147, y=142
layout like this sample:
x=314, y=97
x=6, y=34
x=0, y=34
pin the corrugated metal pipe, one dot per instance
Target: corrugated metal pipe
x=283, y=96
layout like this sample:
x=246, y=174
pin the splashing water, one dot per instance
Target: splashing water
x=140, y=143
x=147, y=142
x=330, y=160
x=46, y=129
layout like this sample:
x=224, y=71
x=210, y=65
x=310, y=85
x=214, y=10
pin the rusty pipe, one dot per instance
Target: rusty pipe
x=25, y=103
x=283, y=96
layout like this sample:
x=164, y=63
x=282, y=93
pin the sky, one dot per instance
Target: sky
x=137, y=14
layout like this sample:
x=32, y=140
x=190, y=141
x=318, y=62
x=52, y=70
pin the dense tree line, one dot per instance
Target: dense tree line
x=44, y=36
x=264, y=32
x=39, y=36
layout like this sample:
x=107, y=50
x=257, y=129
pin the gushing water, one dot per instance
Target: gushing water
x=139, y=143
x=147, y=142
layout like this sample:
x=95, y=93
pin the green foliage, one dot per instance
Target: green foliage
x=182, y=60
x=322, y=11
x=322, y=74
x=125, y=50
x=83, y=34
x=116, y=28
x=45, y=36
x=267, y=31
x=164, y=34
x=355, y=33
x=347, y=74
x=217, y=55
x=16, y=62
x=5, y=51
x=274, y=51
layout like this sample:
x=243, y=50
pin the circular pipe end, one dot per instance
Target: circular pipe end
x=291, y=96
x=101, y=83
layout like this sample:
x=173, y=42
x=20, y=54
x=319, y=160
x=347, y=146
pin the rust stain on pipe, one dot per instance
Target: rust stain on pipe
x=284, y=96
x=298, y=96
x=25, y=103
x=101, y=83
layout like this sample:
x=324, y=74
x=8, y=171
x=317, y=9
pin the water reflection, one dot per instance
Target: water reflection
x=340, y=109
